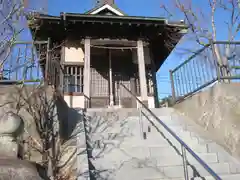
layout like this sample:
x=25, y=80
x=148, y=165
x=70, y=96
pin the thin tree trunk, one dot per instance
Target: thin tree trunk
x=223, y=68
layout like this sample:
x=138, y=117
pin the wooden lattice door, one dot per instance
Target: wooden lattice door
x=122, y=68
x=99, y=82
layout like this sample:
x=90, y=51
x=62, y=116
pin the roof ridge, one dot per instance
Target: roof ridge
x=104, y=4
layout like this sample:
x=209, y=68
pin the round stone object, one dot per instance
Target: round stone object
x=9, y=123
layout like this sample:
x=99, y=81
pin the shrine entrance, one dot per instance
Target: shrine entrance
x=109, y=68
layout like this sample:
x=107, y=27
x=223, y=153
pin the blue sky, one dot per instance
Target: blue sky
x=133, y=7
x=143, y=8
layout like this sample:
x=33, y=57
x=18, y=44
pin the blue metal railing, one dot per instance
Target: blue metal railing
x=202, y=69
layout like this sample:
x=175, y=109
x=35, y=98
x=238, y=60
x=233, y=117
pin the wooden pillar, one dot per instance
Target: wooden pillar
x=133, y=89
x=110, y=78
x=62, y=75
x=48, y=76
x=87, y=73
x=154, y=79
x=142, y=72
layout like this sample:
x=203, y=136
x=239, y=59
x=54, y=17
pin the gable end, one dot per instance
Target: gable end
x=107, y=8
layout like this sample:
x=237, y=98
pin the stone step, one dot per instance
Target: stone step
x=176, y=160
x=146, y=152
x=182, y=134
x=224, y=156
x=137, y=152
x=170, y=140
x=191, y=142
x=224, y=177
x=141, y=171
x=186, y=136
x=177, y=128
x=138, y=132
x=166, y=179
x=166, y=120
x=178, y=172
x=152, y=141
x=156, y=111
x=161, y=160
x=158, y=160
x=160, y=111
x=135, y=121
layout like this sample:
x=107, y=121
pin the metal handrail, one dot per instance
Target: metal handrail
x=183, y=144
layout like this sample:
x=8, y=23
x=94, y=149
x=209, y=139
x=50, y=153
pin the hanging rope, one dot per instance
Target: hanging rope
x=118, y=48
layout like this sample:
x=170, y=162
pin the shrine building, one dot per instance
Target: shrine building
x=103, y=48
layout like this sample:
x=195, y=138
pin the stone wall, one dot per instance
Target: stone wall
x=66, y=119
x=217, y=110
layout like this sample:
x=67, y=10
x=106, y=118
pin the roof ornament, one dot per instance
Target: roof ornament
x=102, y=2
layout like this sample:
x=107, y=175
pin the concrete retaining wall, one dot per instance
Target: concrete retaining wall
x=217, y=109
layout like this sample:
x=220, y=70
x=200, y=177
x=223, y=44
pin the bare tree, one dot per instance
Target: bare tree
x=51, y=140
x=205, y=26
x=33, y=101
x=36, y=103
x=9, y=13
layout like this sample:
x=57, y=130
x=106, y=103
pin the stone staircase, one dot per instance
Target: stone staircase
x=122, y=144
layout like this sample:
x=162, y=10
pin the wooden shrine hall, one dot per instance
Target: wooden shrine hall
x=103, y=48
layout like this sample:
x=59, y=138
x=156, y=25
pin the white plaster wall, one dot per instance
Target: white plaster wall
x=146, y=56
x=74, y=54
x=77, y=101
x=151, y=102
